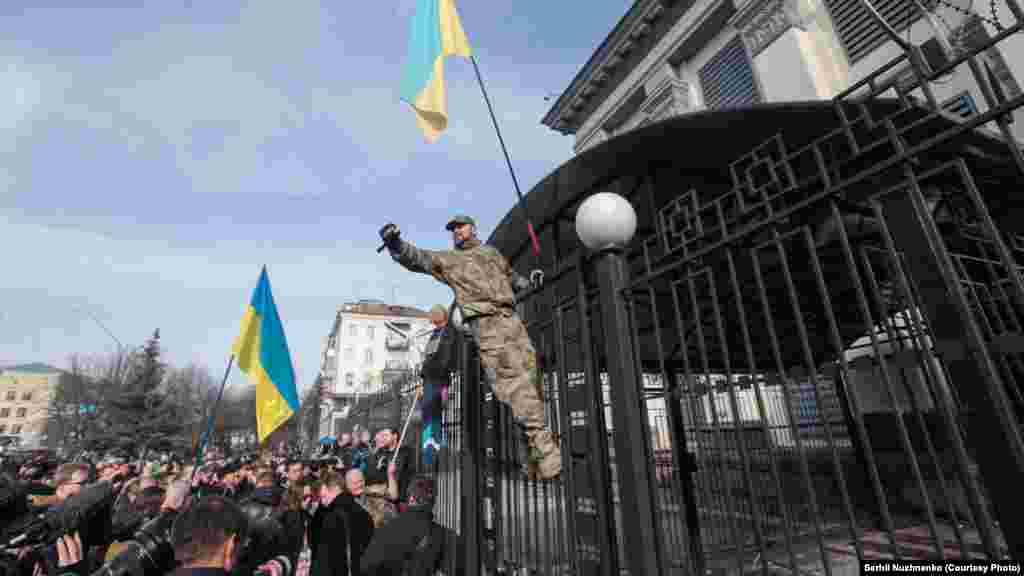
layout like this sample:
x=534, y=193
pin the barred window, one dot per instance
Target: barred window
x=961, y=105
x=727, y=79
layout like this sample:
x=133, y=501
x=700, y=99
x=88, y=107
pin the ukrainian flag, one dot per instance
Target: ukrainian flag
x=435, y=34
x=262, y=353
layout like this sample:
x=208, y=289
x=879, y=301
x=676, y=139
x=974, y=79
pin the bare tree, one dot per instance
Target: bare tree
x=78, y=407
x=309, y=416
x=193, y=389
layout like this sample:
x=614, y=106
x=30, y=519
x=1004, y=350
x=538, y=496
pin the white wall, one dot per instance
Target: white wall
x=1012, y=49
x=806, y=62
x=355, y=363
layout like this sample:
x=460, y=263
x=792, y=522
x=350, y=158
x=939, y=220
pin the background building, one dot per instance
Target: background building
x=25, y=393
x=670, y=57
x=369, y=343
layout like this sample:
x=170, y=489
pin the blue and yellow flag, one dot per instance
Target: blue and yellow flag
x=262, y=353
x=436, y=33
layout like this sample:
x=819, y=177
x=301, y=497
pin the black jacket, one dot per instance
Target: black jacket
x=271, y=532
x=343, y=533
x=377, y=468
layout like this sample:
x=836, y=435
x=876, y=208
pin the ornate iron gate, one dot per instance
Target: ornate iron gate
x=813, y=355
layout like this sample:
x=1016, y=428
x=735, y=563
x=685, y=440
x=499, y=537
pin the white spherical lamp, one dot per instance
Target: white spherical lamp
x=605, y=220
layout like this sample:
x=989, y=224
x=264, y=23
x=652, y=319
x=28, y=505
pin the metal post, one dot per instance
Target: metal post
x=633, y=455
x=396, y=410
x=687, y=464
x=472, y=470
x=990, y=427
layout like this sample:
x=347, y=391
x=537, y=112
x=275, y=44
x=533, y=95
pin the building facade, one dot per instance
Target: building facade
x=672, y=57
x=25, y=393
x=668, y=58
x=369, y=343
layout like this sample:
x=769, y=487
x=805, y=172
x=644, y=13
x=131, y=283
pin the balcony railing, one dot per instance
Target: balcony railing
x=397, y=365
x=394, y=342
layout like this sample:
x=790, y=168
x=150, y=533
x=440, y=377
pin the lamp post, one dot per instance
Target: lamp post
x=606, y=223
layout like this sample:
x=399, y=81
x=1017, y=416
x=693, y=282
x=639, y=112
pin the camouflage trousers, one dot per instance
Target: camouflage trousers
x=510, y=365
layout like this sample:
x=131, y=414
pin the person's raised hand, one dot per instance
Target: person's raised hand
x=69, y=550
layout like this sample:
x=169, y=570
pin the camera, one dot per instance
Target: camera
x=149, y=553
x=87, y=512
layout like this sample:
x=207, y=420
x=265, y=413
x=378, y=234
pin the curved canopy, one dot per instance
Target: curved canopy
x=717, y=155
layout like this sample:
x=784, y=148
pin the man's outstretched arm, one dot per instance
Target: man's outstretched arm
x=414, y=259
x=409, y=256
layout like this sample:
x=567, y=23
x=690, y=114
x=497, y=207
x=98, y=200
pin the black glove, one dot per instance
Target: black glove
x=536, y=278
x=391, y=236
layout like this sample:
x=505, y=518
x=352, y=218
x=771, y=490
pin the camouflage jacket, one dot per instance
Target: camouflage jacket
x=482, y=279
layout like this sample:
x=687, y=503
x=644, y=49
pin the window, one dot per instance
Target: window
x=350, y=380
x=353, y=331
x=16, y=429
x=857, y=29
x=727, y=79
x=3, y=428
x=26, y=396
x=10, y=394
x=961, y=105
x=21, y=413
x=5, y=412
x=368, y=358
x=369, y=332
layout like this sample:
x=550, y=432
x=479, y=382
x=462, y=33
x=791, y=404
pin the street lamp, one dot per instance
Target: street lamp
x=605, y=220
x=606, y=223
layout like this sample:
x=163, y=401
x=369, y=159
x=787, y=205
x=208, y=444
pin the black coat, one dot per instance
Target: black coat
x=343, y=533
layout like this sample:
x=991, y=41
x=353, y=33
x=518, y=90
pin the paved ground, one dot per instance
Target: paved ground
x=532, y=536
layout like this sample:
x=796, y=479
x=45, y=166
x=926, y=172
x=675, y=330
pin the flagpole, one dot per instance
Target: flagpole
x=201, y=448
x=508, y=161
x=405, y=428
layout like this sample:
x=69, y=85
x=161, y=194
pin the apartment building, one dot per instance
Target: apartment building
x=369, y=343
x=25, y=393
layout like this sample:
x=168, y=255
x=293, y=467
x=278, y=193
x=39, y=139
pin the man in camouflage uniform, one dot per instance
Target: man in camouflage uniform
x=485, y=284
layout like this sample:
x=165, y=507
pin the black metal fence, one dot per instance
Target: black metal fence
x=813, y=356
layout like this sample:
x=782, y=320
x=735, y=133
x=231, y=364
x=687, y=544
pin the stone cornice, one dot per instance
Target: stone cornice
x=679, y=32
x=636, y=24
x=762, y=21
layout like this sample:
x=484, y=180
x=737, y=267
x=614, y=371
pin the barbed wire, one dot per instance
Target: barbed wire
x=970, y=13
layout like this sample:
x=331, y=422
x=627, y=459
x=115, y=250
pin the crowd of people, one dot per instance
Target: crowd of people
x=270, y=513
x=353, y=509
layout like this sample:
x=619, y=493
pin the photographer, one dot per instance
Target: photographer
x=208, y=537
x=276, y=528
x=70, y=557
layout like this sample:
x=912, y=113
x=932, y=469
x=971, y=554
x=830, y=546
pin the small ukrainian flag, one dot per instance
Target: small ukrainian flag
x=262, y=353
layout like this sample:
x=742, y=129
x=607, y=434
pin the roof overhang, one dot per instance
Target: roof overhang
x=699, y=143
x=636, y=33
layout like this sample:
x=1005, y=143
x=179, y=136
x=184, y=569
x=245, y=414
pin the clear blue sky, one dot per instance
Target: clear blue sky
x=153, y=158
